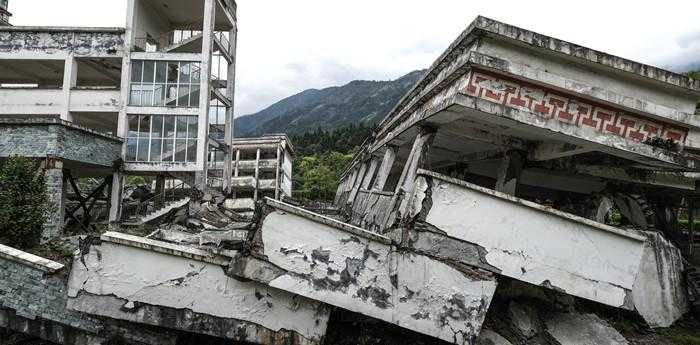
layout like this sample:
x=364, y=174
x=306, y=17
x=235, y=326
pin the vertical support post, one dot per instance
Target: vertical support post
x=385, y=168
x=404, y=187
x=205, y=89
x=509, y=172
x=160, y=190
x=123, y=121
x=257, y=174
x=356, y=185
x=229, y=125
x=277, y=173
x=56, y=192
x=115, y=208
x=374, y=163
x=70, y=81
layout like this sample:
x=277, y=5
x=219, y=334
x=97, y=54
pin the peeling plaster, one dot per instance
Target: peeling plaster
x=138, y=277
x=372, y=278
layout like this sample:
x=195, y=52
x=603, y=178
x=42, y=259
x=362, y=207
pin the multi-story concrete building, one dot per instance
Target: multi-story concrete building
x=115, y=102
x=4, y=13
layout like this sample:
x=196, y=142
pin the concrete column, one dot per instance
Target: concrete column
x=160, y=190
x=257, y=174
x=230, y=123
x=277, y=173
x=385, y=168
x=56, y=192
x=70, y=80
x=374, y=163
x=358, y=182
x=509, y=172
x=115, y=208
x=205, y=91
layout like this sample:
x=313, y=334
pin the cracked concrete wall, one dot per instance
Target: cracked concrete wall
x=375, y=279
x=531, y=243
x=659, y=292
x=143, y=286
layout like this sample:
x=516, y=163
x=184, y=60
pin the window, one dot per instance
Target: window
x=162, y=138
x=217, y=119
x=163, y=83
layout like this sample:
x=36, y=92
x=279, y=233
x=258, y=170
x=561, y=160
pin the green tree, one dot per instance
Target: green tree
x=316, y=176
x=23, y=203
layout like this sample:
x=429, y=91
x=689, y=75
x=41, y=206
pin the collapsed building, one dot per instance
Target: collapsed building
x=523, y=176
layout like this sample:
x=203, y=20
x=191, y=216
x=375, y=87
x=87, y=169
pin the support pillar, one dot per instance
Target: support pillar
x=229, y=124
x=56, y=193
x=385, y=168
x=404, y=187
x=115, y=208
x=209, y=21
x=70, y=81
x=510, y=171
x=277, y=173
x=257, y=175
x=160, y=190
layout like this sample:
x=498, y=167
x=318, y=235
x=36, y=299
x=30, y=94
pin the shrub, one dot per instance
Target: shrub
x=23, y=203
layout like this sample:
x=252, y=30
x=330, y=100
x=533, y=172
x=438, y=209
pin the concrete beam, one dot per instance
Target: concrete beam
x=548, y=150
x=532, y=243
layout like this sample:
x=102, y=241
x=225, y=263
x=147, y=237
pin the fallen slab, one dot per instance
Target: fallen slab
x=529, y=242
x=151, y=282
x=325, y=260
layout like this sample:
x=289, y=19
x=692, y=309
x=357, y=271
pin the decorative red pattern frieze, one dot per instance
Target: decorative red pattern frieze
x=552, y=104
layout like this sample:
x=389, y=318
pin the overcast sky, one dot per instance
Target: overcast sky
x=288, y=46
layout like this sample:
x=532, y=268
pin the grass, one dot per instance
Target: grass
x=681, y=335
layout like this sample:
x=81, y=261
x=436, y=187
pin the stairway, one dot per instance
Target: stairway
x=155, y=214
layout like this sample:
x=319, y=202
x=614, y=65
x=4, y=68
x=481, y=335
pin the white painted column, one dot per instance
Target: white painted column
x=385, y=168
x=205, y=90
x=257, y=174
x=115, y=208
x=370, y=173
x=230, y=123
x=358, y=182
x=277, y=173
x=70, y=80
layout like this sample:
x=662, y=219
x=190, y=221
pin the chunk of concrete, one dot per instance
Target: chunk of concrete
x=582, y=329
x=659, y=294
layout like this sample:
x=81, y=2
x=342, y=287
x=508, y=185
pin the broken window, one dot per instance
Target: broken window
x=162, y=138
x=162, y=83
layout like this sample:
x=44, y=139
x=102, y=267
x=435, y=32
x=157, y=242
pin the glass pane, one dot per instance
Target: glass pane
x=172, y=96
x=180, y=147
x=172, y=72
x=142, y=154
x=131, y=150
x=183, y=96
x=194, y=96
x=182, y=127
x=157, y=127
x=161, y=71
x=169, y=122
x=136, y=69
x=155, y=150
x=184, y=72
x=168, y=150
x=148, y=71
x=195, y=72
x=133, y=126
x=193, y=127
x=159, y=94
x=192, y=151
x=145, y=128
x=135, y=95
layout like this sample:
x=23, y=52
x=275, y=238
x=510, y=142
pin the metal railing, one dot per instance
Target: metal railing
x=178, y=192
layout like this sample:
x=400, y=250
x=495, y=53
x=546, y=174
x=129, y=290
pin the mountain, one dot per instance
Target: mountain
x=359, y=101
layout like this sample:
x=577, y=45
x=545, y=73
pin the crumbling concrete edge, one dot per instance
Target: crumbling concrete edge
x=165, y=248
x=32, y=260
